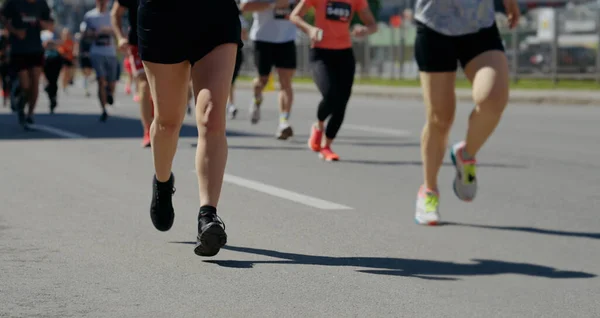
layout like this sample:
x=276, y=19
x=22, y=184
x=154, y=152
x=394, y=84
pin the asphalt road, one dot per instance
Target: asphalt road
x=306, y=238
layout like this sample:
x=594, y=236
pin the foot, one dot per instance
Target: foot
x=146, y=142
x=128, y=89
x=315, y=139
x=255, y=111
x=161, y=209
x=328, y=155
x=136, y=98
x=109, y=98
x=29, y=120
x=211, y=235
x=427, y=209
x=231, y=111
x=104, y=116
x=465, y=182
x=53, y=105
x=284, y=131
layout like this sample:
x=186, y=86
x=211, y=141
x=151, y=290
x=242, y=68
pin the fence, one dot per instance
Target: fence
x=548, y=43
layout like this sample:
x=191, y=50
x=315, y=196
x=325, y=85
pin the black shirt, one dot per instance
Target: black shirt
x=26, y=15
x=132, y=6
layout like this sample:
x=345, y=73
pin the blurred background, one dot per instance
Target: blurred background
x=556, y=39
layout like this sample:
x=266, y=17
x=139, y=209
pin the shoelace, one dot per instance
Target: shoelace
x=431, y=202
x=164, y=191
x=214, y=218
x=470, y=171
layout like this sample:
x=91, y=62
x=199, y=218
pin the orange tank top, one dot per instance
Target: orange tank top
x=334, y=17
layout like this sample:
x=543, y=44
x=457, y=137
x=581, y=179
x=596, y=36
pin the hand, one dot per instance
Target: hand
x=315, y=35
x=360, y=30
x=21, y=34
x=123, y=44
x=281, y=4
x=512, y=12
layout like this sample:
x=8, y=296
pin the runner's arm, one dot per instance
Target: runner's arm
x=253, y=5
x=296, y=17
x=116, y=17
x=46, y=21
x=367, y=18
x=7, y=13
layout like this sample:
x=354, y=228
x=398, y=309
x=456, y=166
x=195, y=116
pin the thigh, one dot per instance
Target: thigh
x=321, y=71
x=263, y=57
x=434, y=51
x=169, y=88
x=472, y=45
x=284, y=55
x=212, y=91
x=98, y=65
x=112, y=68
x=343, y=73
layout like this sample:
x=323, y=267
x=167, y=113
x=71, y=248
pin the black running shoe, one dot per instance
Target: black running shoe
x=29, y=120
x=161, y=209
x=211, y=235
x=104, y=116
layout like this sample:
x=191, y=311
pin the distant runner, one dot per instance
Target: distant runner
x=25, y=19
x=451, y=32
x=103, y=53
x=333, y=63
x=274, y=46
x=129, y=43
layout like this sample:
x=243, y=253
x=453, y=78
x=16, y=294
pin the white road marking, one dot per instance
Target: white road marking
x=285, y=194
x=385, y=131
x=57, y=131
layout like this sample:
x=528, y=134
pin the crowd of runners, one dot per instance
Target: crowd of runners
x=203, y=59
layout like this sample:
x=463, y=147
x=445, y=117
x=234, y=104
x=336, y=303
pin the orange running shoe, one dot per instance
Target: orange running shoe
x=128, y=89
x=136, y=98
x=146, y=142
x=328, y=155
x=315, y=139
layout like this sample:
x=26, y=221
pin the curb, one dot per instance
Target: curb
x=551, y=97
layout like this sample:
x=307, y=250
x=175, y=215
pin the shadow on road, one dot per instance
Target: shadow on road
x=88, y=126
x=425, y=269
x=418, y=163
x=527, y=230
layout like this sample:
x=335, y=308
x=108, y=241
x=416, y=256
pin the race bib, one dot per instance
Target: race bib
x=283, y=13
x=338, y=11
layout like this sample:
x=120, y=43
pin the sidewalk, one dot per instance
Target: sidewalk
x=555, y=97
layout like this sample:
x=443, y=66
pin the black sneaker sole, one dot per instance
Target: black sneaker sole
x=210, y=241
x=161, y=225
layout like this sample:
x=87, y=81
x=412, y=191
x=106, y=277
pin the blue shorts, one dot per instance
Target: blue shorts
x=106, y=67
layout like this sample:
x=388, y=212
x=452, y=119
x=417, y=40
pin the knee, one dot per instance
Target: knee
x=166, y=125
x=210, y=118
x=493, y=100
x=441, y=121
x=261, y=81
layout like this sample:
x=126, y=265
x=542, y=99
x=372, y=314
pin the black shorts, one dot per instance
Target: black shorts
x=436, y=52
x=175, y=31
x=85, y=62
x=239, y=60
x=280, y=55
x=20, y=62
